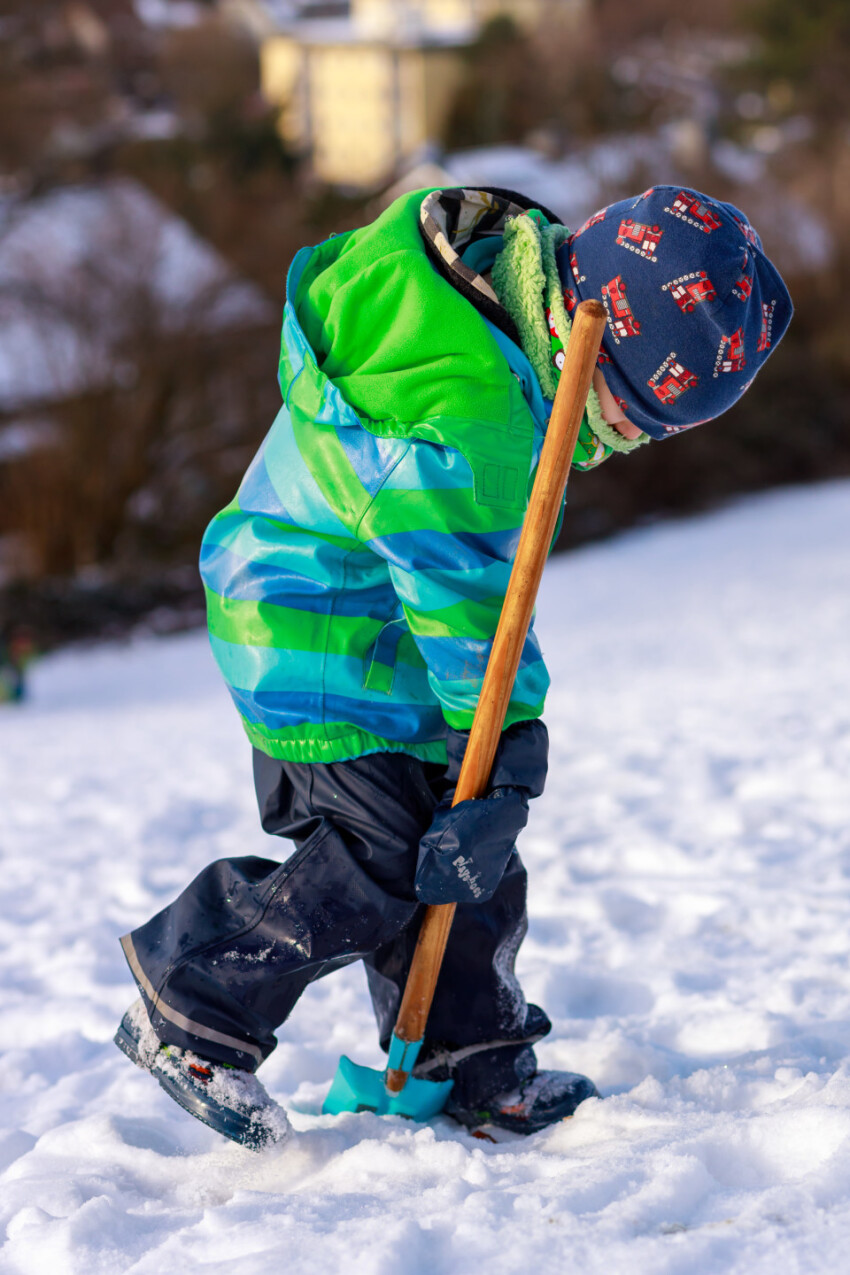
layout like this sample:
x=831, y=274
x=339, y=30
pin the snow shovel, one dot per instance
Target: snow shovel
x=395, y=1091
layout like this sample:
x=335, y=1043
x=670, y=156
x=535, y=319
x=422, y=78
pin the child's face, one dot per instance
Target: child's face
x=610, y=409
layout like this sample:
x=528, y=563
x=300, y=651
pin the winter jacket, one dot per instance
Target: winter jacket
x=355, y=582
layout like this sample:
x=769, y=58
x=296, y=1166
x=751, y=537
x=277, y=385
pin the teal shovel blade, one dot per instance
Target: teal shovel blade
x=357, y=1088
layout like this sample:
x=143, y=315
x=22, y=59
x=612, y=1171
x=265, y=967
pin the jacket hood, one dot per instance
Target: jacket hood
x=408, y=349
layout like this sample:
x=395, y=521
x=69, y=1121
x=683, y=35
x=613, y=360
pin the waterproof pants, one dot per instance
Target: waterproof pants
x=223, y=965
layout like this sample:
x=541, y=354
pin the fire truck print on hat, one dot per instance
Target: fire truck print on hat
x=694, y=306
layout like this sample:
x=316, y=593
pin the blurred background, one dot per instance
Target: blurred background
x=162, y=160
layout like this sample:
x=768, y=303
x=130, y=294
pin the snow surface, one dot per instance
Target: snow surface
x=690, y=924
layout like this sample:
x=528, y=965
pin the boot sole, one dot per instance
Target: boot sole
x=228, y=1123
x=487, y=1121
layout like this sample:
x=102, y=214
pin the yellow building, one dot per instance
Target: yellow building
x=444, y=15
x=363, y=94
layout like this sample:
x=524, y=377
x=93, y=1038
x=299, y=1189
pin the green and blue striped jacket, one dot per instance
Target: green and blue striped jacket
x=355, y=582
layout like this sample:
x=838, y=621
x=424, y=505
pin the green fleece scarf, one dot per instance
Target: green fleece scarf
x=526, y=281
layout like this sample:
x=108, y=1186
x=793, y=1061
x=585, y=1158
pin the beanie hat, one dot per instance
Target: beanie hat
x=694, y=305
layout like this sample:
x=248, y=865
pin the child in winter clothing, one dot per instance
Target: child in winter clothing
x=354, y=586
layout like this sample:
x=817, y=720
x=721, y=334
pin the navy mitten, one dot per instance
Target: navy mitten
x=465, y=851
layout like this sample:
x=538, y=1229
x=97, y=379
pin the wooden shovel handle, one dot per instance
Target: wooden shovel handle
x=538, y=529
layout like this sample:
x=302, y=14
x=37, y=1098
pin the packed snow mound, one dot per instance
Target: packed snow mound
x=690, y=924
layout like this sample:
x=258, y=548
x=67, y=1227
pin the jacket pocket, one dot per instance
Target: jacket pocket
x=379, y=661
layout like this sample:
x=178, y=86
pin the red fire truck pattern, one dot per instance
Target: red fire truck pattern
x=671, y=380
x=621, y=320
x=688, y=208
x=640, y=238
x=690, y=289
x=577, y=275
x=747, y=231
x=730, y=355
x=767, y=308
x=591, y=221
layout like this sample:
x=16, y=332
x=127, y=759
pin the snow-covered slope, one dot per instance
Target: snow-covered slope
x=690, y=924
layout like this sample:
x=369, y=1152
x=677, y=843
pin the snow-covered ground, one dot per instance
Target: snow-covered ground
x=690, y=925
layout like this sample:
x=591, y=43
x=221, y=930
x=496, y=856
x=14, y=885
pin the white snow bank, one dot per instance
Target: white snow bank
x=88, y=272
x=600, y=172
x=170, y=13
x=689, y=933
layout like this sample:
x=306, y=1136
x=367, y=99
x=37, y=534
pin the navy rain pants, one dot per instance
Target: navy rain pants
x=223, y=965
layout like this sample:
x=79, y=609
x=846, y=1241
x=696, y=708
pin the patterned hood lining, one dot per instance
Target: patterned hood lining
x=452, y=219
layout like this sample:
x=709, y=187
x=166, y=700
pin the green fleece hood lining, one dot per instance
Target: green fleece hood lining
x=526, y=281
